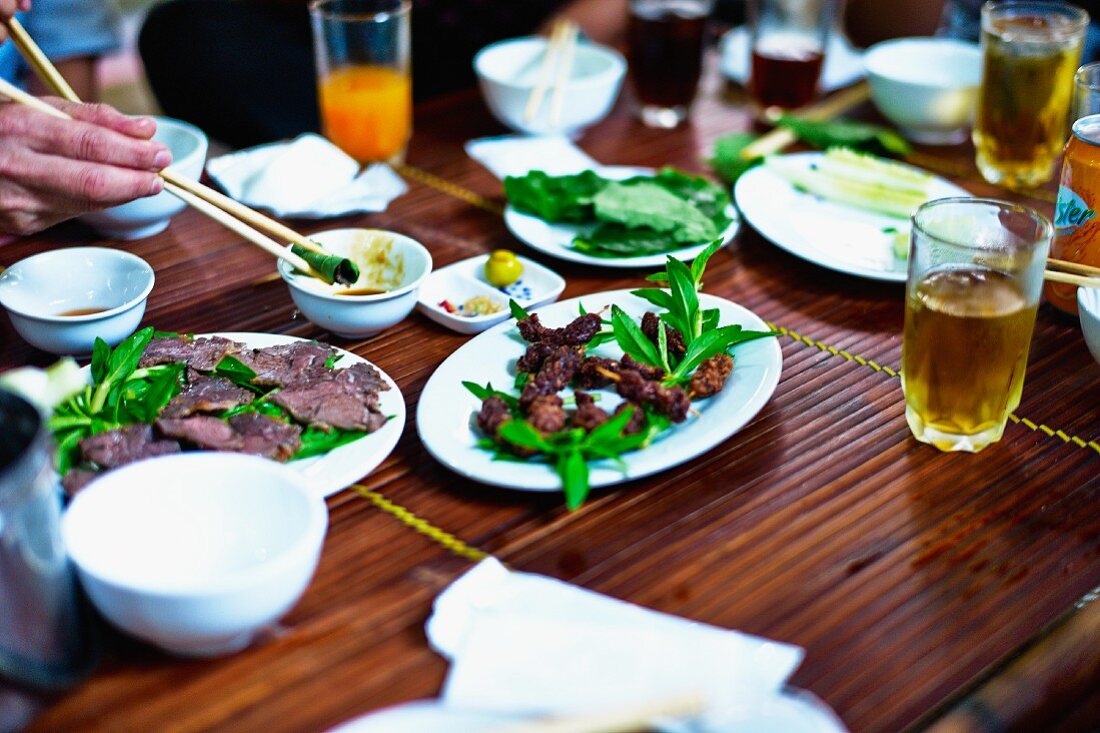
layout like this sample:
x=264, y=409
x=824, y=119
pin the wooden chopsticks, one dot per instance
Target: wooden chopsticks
x=187, y=189
x=1075, y=273
x=556, y=68
x=826, y=109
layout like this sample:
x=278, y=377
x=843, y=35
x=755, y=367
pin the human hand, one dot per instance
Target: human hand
x=52, y=169
x=8, y=8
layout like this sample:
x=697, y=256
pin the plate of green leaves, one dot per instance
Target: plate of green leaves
x=574, y=460
x=618, y=216
x=121, y=393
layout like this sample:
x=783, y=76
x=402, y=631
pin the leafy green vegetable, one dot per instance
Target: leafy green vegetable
x=616, y=240
x=317, y=442
x=574, y=477
x=554, y=198
x=847, y=134
x=631, y=339
x=332, y=268
x=517, y=310
x=237, y=372
x=644, y=204
x=727, y=160
x=709, y=344
x=484, y=393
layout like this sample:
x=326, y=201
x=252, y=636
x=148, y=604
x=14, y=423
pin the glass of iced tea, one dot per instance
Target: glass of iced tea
x=364, y=83
x=787, y=49
x=1030, y=52
x=975, y=275
x=665, y=49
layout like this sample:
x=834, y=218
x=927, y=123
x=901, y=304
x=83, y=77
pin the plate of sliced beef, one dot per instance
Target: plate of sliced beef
x=585, y=387
x=301, y=394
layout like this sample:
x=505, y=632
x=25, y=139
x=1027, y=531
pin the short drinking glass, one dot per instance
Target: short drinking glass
x=665, y=47
x=1086, y=91
x=787, y=51
x=975, y=274
x=1030, y=52
x=364, y=81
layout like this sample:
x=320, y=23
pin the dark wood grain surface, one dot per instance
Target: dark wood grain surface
x=908, y=575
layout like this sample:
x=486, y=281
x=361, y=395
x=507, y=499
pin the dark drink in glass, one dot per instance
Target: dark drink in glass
x=785, y=77
x=665, y=42
x=788, y=51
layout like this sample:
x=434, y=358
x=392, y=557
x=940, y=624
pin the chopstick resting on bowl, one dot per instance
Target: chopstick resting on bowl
x=191, y=192
x=556, y=68
x=1075, y=274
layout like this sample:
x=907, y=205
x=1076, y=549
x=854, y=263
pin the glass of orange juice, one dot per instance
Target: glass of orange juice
x=364, y=81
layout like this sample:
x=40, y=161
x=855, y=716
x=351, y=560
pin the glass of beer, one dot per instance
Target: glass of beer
x=362, y=49
x=788, y=39
x=975, y=275
x=665, y=49
x=1030, y=52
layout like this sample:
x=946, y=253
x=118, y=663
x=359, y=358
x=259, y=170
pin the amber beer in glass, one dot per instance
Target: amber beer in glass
x=975, y=275
x=1076, y=228
x=364, y=81
x=1030, y=52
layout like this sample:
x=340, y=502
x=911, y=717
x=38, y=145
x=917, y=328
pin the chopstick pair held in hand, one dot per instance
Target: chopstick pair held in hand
x=206, y=200
x=556, y=68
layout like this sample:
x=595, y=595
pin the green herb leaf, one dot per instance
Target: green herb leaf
x=609, y=430
x=521, y=380
x=727, y=161
x=317, y=442
x=711, y=343
x=656, y=296
x=601, y=337
x=685, y=300
x=237, y=372
x=484, y=393
x=554, y=198
x=520, y=433
x=573, y=470
x=517, y=310
x=845, y=133
x=699, y=264
x=646, y=204
x=631, y=339
x=101, y=352
x=330, y=363
x=617, y=240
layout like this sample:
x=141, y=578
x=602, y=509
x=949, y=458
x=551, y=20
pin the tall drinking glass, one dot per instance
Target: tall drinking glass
x=788, y=39
x=364, y=80
x=1030, y=51
x=665, y=47
x=1086, y=91
x=975, y=274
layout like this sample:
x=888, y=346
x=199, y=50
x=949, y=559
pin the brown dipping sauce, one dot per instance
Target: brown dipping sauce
x=82, y=312
x=361, y=291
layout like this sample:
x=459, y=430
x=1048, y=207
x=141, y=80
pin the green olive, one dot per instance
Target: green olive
x=502, y=268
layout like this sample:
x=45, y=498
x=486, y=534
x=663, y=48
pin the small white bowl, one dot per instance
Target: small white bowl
x=458, y=282
x=37, y=293
x=147, y=216
x=359, y=316
x=196, y=552
x=928, y=87
x=508, y=70
x=1088, y=307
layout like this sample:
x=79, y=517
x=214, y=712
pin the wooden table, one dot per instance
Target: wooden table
x=910, y=576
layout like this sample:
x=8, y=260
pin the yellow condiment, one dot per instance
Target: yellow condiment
x=503, y=268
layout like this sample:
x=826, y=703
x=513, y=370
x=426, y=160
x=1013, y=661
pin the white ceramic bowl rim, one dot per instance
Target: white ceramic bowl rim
x=1088, y=299
x=196, y=137
x=877, y=57
x=53, y=318
x=402, y=241
x=233, y=581
x=615, y=69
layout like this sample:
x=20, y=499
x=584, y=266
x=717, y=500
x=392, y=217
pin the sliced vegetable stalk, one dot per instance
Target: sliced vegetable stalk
x=332, y=267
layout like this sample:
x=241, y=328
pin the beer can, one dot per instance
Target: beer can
x=1077, y=228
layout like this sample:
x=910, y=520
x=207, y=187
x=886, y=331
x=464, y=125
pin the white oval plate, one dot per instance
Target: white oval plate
x=556, y=239
x=343, y=466
x=833, y=235
x=445, y=414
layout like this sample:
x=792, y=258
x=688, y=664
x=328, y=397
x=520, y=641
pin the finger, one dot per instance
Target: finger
x=8, y=8
x=79, y=140
x=89, y=183
x=105, y=115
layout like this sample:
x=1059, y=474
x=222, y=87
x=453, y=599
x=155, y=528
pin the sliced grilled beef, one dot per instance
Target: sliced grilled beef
x=202, y=354
x=125, y=445
x=588, y=415
x=336, y=398
x=205, y=431
x=207, y=394
x=494, y=413
x=266, y=436
x=76, y=479
x=279, y=366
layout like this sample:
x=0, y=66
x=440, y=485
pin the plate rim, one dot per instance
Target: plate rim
x=511, y=214
x=761, y=394
x=767, y=231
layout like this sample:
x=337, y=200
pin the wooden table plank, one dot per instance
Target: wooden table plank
x=904, y=572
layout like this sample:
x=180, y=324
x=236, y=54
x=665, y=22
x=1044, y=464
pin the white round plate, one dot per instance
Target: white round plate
x=343, y=466
x=556, y=240
x=833, y=235
x=445, y=414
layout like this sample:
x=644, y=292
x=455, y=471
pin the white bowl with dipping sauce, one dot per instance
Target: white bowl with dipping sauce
x=147, y=216
x=61, y=300
x=928, y=87
x=196, y=552
x=508, y=70
x=1088, y=308
x=392, y=267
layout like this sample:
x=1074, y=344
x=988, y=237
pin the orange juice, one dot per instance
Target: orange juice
x=367, y=111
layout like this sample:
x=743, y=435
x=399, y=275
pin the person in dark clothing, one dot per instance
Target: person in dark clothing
x=243, y=70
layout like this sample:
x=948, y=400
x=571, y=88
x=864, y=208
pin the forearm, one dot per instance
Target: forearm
x=79, y=72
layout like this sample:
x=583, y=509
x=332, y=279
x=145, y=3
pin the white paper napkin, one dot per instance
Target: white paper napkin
x=307, y=178
x=515, y=155
x=529, y=644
